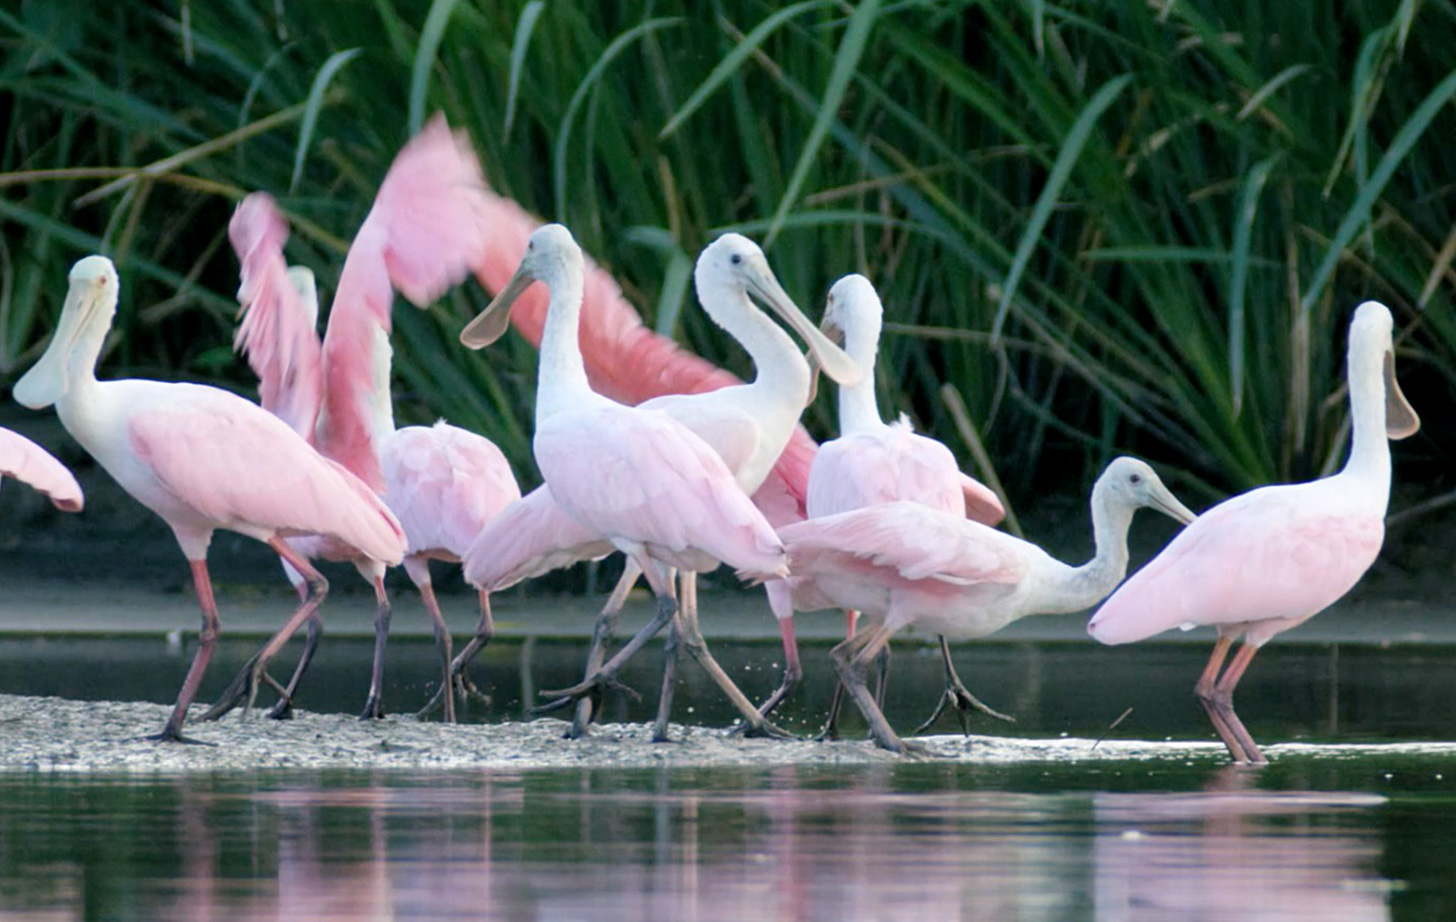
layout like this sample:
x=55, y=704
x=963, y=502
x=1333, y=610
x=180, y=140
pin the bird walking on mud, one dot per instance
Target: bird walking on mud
x=1265, y=561
x=202, y=459
x=657, y=491
x=442, y=482
x=902, y=564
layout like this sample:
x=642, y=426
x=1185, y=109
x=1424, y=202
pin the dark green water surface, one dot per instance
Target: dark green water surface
x=1316, y=839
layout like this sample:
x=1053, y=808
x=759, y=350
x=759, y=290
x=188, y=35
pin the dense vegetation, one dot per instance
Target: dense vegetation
x=1103, y=226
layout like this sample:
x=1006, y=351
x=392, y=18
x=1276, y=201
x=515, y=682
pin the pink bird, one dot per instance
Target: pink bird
x=873, y=462
x=201, y=458
x=657, y=491
x=29, y=463
x=904, y=564
x=748, y=425
x=442, y=482
x=1264, y=561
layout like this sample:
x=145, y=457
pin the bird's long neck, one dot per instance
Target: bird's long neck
x=779, y=366
x=1369, y=444
x=561, y=377
x=358, y=411
x=1078, y=588
x=858, y=409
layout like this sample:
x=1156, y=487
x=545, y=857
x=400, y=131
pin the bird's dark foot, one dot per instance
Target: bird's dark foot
x=907, y=748
x=170, y=734
x=957, y=697
x=243, y=688
x=763, y=730
x=466, y=690
x=373, y=709
x=282, y=710
x=565, y=697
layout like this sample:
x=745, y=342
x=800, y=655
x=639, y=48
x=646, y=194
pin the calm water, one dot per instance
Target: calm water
x=1305, y=838
x=1360, y=840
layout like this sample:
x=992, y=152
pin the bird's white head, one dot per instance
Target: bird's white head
x=735, y=263
x=852, y=316
x=85, y=319
x=551, y=254
x=1372, y=357
x=1132, y=484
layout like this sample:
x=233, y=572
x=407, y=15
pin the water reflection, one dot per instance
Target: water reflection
x=913, y=843
x=1236, y=852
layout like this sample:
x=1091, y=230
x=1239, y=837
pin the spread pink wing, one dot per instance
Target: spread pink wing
x=424, y=231
x=903, y=544
x=643, y=477
x=528, y=538
x=29, y=463
x=624, y=359
x=236, y=464
x=278, y=332
x=1266, y=554
x=444, y=484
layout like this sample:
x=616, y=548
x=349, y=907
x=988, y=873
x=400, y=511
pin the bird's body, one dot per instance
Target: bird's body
x=443, y=482
x=903, y=564
x=199, y=457
x=23, y=460
x=1264, y=561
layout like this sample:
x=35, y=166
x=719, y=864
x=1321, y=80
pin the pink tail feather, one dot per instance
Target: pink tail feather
x=278, y=332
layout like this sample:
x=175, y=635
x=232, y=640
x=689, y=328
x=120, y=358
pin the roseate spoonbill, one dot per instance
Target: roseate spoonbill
x=28, y=463
x=202, y=459
x=903, y=564
x=656, y=490
x=874, y=462
x=1264, y=561
x=443, y=482
x=749, y=425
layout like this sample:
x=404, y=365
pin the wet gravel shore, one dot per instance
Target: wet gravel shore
x=62, y=736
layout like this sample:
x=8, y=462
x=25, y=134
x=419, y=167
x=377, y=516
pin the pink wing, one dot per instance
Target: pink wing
x=528, y=538
x=643, y=477
x=234, y=463
x=444, y=485
x=624, y=359
x=278, y=333
x=1265, y=554
x=903, y=544
x=426, y=227
x=29, y=463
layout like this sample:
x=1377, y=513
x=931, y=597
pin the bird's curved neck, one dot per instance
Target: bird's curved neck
x=1369, y=445
x=1082, y=587
x=561, y=376
x=779, y=366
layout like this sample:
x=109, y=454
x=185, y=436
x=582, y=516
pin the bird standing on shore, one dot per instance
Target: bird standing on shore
x=202, y=459
x=1264, y=561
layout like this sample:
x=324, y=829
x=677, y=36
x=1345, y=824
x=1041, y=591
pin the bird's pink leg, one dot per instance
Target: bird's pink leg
x=602, y=631
x=418, y=569
x=606, y=677
x=687, y=596
x=850, y=660
x=754, y=722
x=831, y=725
x=374, y=706
x=779, y=600
x=1207, y=692
x=206, y=642
x=466, y=689
x=245, y=685
x=1223, y=699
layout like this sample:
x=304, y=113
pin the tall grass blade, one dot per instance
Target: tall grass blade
x=520, y=44
x=433, y=33
x=311, y=107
